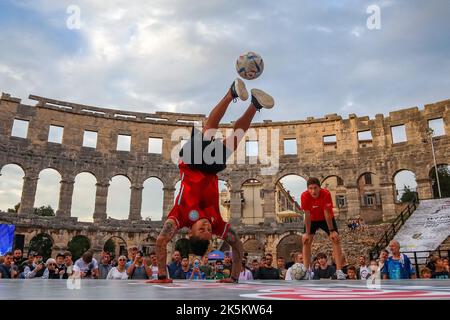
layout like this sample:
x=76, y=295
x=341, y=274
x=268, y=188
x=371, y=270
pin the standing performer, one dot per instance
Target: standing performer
x=197, y=203
x=318, y=207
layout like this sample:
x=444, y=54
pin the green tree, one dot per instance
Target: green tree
x=77, y=246
x=444, y=181
x=110, y=246
x=408, y=195
x=15, y=209
x=42, y=243
x=45, y=211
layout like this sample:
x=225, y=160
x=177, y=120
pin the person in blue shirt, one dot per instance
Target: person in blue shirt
x=196, y=273
x=398, y=266
x=185, y=271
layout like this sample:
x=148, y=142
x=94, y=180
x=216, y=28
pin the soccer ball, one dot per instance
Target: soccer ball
x=298, y=271
x=250, y=65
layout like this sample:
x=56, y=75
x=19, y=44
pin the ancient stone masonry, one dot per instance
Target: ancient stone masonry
x=360, y=166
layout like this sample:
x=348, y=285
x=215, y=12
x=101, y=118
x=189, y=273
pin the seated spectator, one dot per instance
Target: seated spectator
x=384, y=255
x=281, y=264
x=375, y=271
x=262, y=262
x=324, y=271
x=439, y=269
x=196, y=273
x=119, y=272
x=290, y=263
x=60, y=266
x=18, y=258
x=185, y=271
x=445, y=261
x=105, y=265
x=51, y=271
x=351, y=273
x=218, y=270
x=87, y=266
x=175, y=264
x=139, y=270
x=27, y=262
x=153, y=266
x=430, y=265
x=68, y=263
x=206, y=268
x=298, y=259
x=6, y=268
x=398, y=266
x=227, y=262
x=132, y=251
x=363, y=271
x=246, y=273
x=254, y=268
x=268, y=272
x=37, y=268
x=425, y=273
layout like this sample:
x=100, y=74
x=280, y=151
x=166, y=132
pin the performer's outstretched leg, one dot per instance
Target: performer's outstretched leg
x=260, y=100
x=237, y=90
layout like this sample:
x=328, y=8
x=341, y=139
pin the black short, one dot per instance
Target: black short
x=315, y=225
x=194, y=159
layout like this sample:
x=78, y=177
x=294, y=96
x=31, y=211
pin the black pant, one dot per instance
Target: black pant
x=322, y=224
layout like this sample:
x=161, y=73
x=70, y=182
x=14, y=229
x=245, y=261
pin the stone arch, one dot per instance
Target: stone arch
x=152, y=198
x=84, y=188
x=252, y=208
x=336, y=185
x=148, y=245
x=119, y=197
x=369, y=193
x=11, y=185
x=49, y=180
x=253, y=248
x=42, y=243
x=402, y=178
x=78, y=245
x=115, y=245
x=444, y=180
x=287, y=244
x=288, y=191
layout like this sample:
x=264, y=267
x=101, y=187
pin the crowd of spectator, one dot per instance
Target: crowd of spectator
x=136, y=265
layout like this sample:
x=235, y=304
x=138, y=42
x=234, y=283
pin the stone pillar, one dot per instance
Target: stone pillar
x=269, y=213
x=424, y=188
x=235, y=207
x=28, y=193
x=135, y=202
x=168, y=200
x=101, y=196
x=65, y=197
x=387, y=190
x=353, y=203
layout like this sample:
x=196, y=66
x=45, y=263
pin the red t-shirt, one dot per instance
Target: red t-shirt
x=187, y=219
x=317, y=206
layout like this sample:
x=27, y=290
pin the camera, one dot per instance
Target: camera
x=196, y=264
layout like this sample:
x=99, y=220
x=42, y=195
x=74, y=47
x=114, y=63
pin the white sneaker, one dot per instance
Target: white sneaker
x=260, y=99
x=340, y=275
x=238, y=90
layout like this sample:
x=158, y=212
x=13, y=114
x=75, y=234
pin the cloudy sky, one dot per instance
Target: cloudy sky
x=320, y=56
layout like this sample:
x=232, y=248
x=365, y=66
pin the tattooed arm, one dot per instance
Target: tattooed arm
x=164, y=237
x=233, y=240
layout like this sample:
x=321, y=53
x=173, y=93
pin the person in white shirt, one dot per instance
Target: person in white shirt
x=363, y=271
x=298, y=258
x=119, y=272
x=246, y=273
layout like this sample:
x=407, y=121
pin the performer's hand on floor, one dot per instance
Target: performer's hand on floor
x=159, y=281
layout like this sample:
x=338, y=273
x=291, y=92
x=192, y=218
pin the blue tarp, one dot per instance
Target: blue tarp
x=215, y=255
x=6, y=238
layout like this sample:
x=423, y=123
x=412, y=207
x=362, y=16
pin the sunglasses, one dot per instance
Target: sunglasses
x=122, y=260
x=52, y=264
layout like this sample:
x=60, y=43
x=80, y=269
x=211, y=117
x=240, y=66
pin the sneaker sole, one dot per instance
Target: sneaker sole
x=241, y=90
x=265, y=100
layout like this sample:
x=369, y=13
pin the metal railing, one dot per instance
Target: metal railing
x=420, y=258
x=394, y=228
